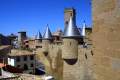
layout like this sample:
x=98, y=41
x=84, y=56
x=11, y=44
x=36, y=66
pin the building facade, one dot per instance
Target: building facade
x=22, y=59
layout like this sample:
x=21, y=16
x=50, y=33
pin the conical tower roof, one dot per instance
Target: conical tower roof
x=38, y=36
x=83, y=28
x=47, y=34
x=71, y=30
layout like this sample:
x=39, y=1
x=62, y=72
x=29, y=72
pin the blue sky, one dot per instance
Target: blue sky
x=33, y=15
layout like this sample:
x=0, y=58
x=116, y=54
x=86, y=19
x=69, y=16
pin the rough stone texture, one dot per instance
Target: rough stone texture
x=45, y=60
x=55, y=65
x=81, y=69
x=68, y=12
x=106, y=39
x=70, y=49
x=45, y=45
x=53, y=61
x=31, y=44
x=38, y=42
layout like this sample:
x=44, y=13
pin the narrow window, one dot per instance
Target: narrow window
x=25, y=58
x=18, y=59
x=70, y=43
x=31, y=57
x=92, y=53
x=25, y=67
x=86, y=56
x=71, y=14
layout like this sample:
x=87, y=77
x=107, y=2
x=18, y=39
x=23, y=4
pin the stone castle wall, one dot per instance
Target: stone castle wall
x=106, y=39
x=45, y=45
x=70, y=49
x=80, y=70
x=64, y=69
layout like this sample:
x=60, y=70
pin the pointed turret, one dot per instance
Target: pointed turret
x=47, y=34
x=71, y=30
x=38, y=40
x=83, y=28
x=38, y=36
x=70, y=38
x=47, y=39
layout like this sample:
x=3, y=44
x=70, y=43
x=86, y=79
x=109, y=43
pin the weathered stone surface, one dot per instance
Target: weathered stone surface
x=81, y=70
x=106, y=39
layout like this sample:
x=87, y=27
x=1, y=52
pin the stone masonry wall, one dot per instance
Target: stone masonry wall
x=81, y=69
x=106, y=39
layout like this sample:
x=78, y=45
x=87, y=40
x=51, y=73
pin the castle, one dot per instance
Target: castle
x=66, y=52
x=64, y=55
x=72, y=56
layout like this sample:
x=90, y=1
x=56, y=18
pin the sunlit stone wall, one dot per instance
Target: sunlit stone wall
x=106, y=39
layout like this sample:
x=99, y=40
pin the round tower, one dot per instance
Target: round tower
x=70, y=41
x=47, y=38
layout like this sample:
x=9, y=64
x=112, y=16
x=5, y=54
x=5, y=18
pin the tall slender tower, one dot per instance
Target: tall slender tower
x=21, y=37
x=70, y=50
x=83, y=28
x=47, y=38
x=69, y=12
x=70, y=41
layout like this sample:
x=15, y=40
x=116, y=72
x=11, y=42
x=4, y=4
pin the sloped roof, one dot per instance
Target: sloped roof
x=47, y=34
x=71, y=30
x=38, y=36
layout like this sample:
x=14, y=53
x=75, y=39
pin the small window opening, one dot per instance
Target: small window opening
x=25, y=67
x=86, y=56
x=70, y=43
